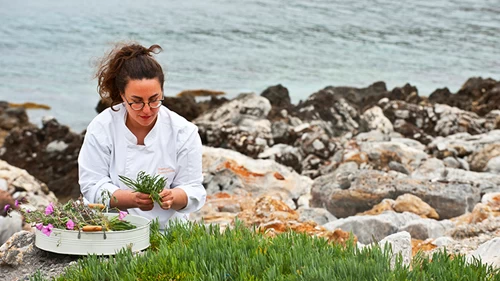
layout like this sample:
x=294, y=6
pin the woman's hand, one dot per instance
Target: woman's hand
x=143, y=201
x=167, y=199
x=175, y=198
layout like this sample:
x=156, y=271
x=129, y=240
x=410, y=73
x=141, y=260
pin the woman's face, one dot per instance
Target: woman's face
x=137, y=92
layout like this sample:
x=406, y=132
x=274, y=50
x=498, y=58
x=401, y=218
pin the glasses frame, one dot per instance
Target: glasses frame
x=144, y=103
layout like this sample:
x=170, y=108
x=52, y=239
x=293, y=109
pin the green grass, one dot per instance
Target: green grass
x=197, y=252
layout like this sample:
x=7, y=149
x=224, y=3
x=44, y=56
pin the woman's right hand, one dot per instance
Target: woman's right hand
x=143, y=201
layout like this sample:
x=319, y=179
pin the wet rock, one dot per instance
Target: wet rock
x=10, y=118
x=279, y=98
x=50, y=154
x=335, y=114
x=359, y=98
x=184, y=105
x=477, y=95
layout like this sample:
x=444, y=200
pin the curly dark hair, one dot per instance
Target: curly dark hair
x=124, y=63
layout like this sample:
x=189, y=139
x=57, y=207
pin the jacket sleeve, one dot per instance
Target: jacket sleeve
x=93, y=167
x=189, y=176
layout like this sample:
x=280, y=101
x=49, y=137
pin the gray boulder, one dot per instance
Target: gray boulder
x=370, y=228
x=369, y=187
x=427, y=228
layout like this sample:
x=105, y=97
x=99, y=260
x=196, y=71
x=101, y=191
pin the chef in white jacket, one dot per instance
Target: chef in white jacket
x=138, y=134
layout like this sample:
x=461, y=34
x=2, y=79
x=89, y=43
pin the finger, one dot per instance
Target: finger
x=167, y=204
x=142, y=195
x=165, y=192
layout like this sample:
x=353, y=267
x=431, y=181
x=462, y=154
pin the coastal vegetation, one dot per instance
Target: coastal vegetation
x=195, y=251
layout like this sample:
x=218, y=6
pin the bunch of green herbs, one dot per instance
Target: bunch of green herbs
x=146, y=183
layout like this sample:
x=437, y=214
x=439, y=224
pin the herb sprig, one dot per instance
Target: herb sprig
x=146, y=183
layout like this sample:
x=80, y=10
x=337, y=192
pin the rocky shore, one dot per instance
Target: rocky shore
x=389, y=165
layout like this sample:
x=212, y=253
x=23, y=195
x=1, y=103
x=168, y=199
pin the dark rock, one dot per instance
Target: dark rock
x=278, y=96
x=101, y=105
x=5, y=199
x=280, y=100
x=185, y=106
x=477, y=95
x=407, y=93
x=440, y=96
x=50, y=154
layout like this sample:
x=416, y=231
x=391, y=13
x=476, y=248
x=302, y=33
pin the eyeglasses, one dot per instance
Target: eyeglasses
x=140, y=105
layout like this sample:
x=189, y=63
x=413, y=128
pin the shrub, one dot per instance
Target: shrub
x=197, y=252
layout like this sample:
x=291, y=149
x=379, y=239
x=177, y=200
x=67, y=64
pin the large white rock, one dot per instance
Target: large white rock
x=227, y=170
x=427, y=228
x=20, y=184
x=370, y=228
x=401, y=245
x=488, y=252
x=10, y=225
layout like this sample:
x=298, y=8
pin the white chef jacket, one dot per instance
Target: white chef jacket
x=172, y=149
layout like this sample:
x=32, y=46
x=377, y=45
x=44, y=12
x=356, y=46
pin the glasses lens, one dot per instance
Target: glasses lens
x=155, y=104
x=137, y=106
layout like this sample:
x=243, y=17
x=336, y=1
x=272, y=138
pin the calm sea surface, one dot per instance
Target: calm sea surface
x=47, y=47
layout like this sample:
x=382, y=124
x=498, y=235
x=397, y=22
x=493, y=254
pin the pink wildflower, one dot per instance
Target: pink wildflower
x=6, y=208
x=47, y=230
x=39, y=226
x=70, y=224
x=122, y=215
x=16, y=203
x=50, y=209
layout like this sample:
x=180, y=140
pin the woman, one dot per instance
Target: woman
x=138, y=134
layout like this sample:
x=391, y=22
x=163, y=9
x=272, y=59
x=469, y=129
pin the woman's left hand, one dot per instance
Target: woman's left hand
x=167, y=199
